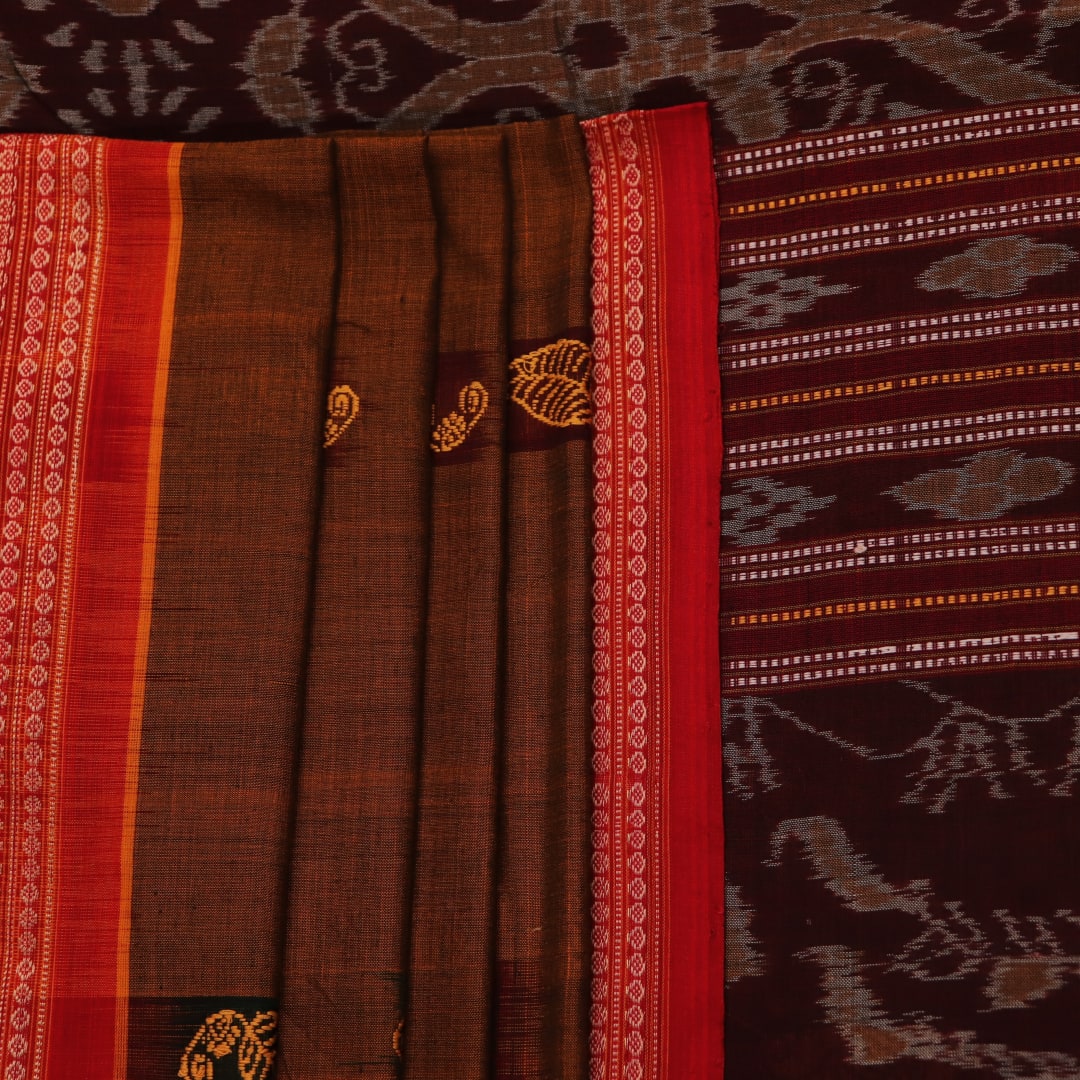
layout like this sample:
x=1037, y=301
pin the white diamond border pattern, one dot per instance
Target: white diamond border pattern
x=55, y=293
x=625, y=1023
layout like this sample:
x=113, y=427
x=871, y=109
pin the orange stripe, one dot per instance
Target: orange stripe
x=910, y=382
x=1009, y=595
x=986, y=173
x=142, y=646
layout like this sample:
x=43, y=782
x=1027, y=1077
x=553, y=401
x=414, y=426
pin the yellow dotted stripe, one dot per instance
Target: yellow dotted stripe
x=908, y=603
x=807, y=397
x=909, y=382
x=931, y=180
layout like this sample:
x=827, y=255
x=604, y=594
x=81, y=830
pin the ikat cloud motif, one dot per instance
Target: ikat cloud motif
x=985, y=485
x=766, y=298
x=1000, y=266
x=757, y=509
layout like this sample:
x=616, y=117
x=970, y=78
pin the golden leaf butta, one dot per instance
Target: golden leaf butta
x=551, y=383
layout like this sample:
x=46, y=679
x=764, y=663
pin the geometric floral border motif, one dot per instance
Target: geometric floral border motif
x=626, y=975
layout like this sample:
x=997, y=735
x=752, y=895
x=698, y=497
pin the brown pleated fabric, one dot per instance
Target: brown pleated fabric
x=351, y=882
x=236, y=529
x=542, y=959
x=360, y=825
x=438, y=899
x=448, y=1026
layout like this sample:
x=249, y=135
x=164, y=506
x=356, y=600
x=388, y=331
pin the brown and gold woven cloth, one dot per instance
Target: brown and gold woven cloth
x=295, y=738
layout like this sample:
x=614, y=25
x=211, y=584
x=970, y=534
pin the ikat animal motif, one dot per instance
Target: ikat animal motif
x=962, y=751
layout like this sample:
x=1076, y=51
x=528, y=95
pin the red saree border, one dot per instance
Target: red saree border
x=691, y=488
x=657, y=994
x=90, y=249
x=169, y=209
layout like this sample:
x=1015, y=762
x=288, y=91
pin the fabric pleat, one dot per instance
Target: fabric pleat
x=448, y=1027
x=543, y=857
x=437, y=913
x=343, y=1002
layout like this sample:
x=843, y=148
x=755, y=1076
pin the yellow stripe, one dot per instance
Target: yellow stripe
x=142, y=643
x=990, y=172
x=908, y=603
x=908, y=382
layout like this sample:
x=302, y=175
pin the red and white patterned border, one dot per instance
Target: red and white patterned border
x=51, y=190
x=625, y=1042
x=657, y=996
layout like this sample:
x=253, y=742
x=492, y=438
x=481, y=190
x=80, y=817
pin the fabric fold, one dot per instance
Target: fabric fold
x=543, y=925
x=351, y=875
x=451, y=970
x=233, y=570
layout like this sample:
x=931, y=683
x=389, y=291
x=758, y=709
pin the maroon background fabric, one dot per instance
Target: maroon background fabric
x=222, y=69
x=900, y=599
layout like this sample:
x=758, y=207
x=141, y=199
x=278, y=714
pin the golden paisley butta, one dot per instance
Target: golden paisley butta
x=453, y=429
x=342, y=406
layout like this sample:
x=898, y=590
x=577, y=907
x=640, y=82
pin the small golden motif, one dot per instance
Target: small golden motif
x=399, y=1037
x=342, y=405
x=452, y=430
x=224, y=1032
x=551, y=383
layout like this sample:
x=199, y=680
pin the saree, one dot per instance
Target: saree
x=299, y=683
x=882, y=915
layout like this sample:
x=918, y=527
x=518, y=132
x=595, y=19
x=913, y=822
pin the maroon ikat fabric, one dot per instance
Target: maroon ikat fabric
x=902, y=699
x=224, y=69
